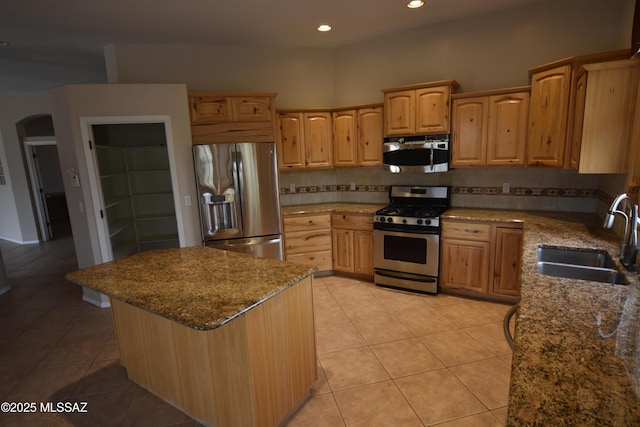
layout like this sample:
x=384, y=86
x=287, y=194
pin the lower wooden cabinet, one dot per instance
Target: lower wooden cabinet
x=307, y=240
x=352, y=239
x=481, y=257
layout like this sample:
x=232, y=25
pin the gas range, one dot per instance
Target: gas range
x=413, y=207
x=406, y=238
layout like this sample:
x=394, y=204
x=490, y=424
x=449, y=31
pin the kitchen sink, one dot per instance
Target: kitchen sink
x=579, y=257
x=584, y=264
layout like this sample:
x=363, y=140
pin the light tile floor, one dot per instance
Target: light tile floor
x=385, y=358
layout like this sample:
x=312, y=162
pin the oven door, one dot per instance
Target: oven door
x=413, y=253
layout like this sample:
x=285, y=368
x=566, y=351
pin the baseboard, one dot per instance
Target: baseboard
x=20, y=242
x=97, y=303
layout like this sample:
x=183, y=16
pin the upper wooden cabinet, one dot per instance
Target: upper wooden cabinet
x=418, y=109
x=357, y=136
x=304, y=139
x=220, y=118
x=552, y=108
x=370, y=136
x=490, y=128
x=605, y=105
x=633, y=172
x=548, y=116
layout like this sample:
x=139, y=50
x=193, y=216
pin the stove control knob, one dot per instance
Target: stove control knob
x=419, y=222
x=427, y=221
x=380, y=219
x=404, y=221
x=389, y=219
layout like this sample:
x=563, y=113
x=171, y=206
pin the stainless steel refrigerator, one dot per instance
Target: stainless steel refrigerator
x=238, y=197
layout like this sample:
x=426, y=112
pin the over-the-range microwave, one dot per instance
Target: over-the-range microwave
x=417, y=154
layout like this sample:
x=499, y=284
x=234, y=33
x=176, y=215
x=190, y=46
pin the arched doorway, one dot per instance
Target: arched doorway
x=45, y=177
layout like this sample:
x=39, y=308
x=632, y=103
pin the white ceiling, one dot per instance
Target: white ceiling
x=59, y=41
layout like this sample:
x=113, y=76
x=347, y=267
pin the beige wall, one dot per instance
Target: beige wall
x=482, y=52
x=17, y=216
x=72, y=102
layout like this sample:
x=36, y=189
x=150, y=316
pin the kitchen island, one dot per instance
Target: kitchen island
x=576, y=355
x=226, y=337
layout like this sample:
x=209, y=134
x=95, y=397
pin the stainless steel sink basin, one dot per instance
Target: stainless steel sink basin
x=584, y=257
x=577, y=263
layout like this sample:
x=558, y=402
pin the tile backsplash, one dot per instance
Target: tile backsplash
x=529, y=188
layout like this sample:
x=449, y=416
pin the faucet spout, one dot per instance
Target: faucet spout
x=623, y=206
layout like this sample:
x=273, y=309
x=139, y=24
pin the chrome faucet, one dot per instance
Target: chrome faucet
x=623, y=206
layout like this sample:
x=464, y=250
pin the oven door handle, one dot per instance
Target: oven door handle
x=421, y=279
x=431, y=157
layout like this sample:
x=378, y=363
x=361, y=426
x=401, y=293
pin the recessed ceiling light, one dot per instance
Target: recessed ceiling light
x=324, y=28
x=414, y=4
x=3, y=43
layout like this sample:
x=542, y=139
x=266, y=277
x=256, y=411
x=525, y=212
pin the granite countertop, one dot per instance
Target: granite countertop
x=320, y=208
x=200, y=287
x=576, y=356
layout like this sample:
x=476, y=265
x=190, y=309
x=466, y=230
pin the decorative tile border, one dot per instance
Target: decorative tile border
x=476, y=191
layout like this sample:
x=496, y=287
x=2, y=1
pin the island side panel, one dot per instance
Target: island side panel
x=206, y=374
x=282, y=348
x=255, y=370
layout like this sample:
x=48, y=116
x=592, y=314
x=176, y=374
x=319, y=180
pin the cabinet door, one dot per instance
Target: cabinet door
x=611, y=91
x=345, y=144
x=399, y=113
x=207, y=109
x=290, y=141
x=576, y=135
x=548, y=117
x=507, y=129
x=469, y=131
x=251, y=108
x=433, y=109
x=342, y=242
x=633, y=176
x=508, y=258
x=465, y=264
x=363, y=252
x=370, y=136
x=317, y=139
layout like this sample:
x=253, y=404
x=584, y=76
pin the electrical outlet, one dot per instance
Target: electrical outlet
x=75, y=181
x=292, y=188
x=506, y=187
x=187, y=200
x=353, y=186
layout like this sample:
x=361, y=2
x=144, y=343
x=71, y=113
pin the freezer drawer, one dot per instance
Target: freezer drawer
x=265, y=246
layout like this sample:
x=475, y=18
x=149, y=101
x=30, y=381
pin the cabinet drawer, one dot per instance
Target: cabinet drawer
x=307, y=241
x=306, y=222
x=466, y=231
x=352, y=222
x=320, y=259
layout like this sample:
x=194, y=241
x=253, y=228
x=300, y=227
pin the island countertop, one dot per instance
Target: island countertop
x=576, y=356
x=199, y=287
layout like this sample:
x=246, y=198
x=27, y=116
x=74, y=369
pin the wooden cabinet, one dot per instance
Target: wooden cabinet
x=357, y=136
x=222, y=118
x=370, y=135
x=481, y=258
x=418, y=109
x=307, y=240
x=553, y=107
x=633, y=174
x=605, y=105
x=304, y=139
x=490, y=128
x=505, y=279
x=345, y=138
x=548, y=116
x=352, y=239
x=469, y=134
